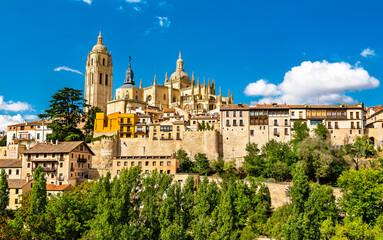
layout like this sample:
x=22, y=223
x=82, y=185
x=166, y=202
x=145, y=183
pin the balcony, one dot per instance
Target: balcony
x=227, y=125
x=275, y=124
x=61, y=178
x=276, y=134
x=81, y=160
x=125, y=123
x=166, y=138
x=241, y=124
x=45, y=169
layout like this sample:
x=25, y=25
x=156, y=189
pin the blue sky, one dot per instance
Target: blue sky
x=263, y=51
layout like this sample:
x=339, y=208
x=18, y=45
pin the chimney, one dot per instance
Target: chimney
x=57, y=141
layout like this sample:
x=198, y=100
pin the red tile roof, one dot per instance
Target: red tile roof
x=52, y=187
x=62, y=147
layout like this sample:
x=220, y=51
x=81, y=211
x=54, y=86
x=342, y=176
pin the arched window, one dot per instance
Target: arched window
x=174, y=99
x=106, y=79
x=164, y=96
x=91, y=78
x=100, y=78
x=103, y=61
x=91, y=62
x=136, y=98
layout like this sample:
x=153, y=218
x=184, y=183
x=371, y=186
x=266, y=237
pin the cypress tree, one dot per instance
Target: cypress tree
x=4, y=193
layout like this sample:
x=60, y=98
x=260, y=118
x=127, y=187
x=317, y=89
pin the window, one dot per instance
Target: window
x=16, y=200
x=234, y=122
x=286, y=131
x=100, y=78
x=351, y=115
x=161, y=171
x=329, y=125
x=169, y=135
x=227, y=113
x=154, y=135
x=118, y=163
x=286, y=122
x=17, y=171
x=240, y=113
x=178, y=128
x=61, y=165
x=53, y=155
x=227, y=122
x=275, y=122
x=38, y=135
x=17, y=191
x=234, y=113
x=154, y=163
x=336, y=125
x=125, y=163
x=10, y=171
x=118, y=171
x=161, y=163
x=103, y=61
x=146, y=171
x=357, y=115
x=166, y=128
x=146, y=163
x=292, y=114
x=168, y=171
x=154, y=128
x=164, y=96
x=45, y=155
x=252, y=132
x=241, y=122
x=168, y=163
x=29, y=165
x=350, y=131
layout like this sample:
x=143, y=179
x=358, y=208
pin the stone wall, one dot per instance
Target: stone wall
x=194, y=142
x=104, y=151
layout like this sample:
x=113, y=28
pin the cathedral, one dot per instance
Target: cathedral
x=178, y=91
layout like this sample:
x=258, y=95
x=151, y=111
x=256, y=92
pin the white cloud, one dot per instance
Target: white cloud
x=63, y=68
x=163, y=21
x=313, y=81
x=133, y=1
x=87, y=1
x=6, y=120
x=13, y=106
x=137, y=9
x=368, y=52
x=30, y=117
x=261, y=88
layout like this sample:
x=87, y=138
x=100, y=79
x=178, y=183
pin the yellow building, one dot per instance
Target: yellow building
x=119, y=123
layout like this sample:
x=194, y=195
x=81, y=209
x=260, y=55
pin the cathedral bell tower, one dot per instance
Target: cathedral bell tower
x=99, y=76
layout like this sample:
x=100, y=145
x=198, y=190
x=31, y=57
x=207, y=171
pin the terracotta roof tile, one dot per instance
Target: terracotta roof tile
x=52, y=187
x=16, y=183
x=233, y=106
x=10, y=163
x=31, y=123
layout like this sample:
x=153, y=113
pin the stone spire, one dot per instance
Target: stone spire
x=99, y=38
x=141, y=83
x=198, y=81
x=232, y=98
x=203, y=83
x=220, y=93
x=129, y=75
x=193, y=80
x=228, y=94
x=166, y=77
x=180, y=63
x=155, y=80
x=208, y=82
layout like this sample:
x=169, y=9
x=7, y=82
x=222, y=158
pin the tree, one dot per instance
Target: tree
x=217, y=166
x=321, y=131
x=300, y=132
x=202, y=165
x=362, y=194
x=362, y=147
x=3, y=141
x=274, y=152
x=4, y=193
x=316, y=155
x=202, y=127
x=65, y=113
x=89, y=123
x=186, y=166
x=254, y=164
x=187, y=201
x=300, y=193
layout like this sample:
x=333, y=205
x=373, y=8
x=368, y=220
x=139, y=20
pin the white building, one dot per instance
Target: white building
x=28, y=133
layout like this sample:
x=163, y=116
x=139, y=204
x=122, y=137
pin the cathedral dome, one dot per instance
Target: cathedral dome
x=179, y=73
x=99, y=47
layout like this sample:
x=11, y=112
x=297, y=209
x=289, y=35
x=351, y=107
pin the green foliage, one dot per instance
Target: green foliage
x=202, y=165
x=300, y=132
x=316, y=155
x=321, y=131
x=254, y=164
x=275, y=224
x=65, y=112
x=362, y=194
x=3, y=141
x=186, y=165
x=362, y=147
x=218, y=165
x=4, y=193
x=89, y=123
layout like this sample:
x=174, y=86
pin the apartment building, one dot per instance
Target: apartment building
x=163, y=164
x=167, y=130
x=115, y=123
x=374, y=124
x=63, y=163
x=241, y=124
x=17, y=187
x=28, y=133
x=12, y=168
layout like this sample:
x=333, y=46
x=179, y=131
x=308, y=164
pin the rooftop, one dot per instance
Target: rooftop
x=16, y=183
x=10, y=163
x=52, y=187
x=62, y=147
